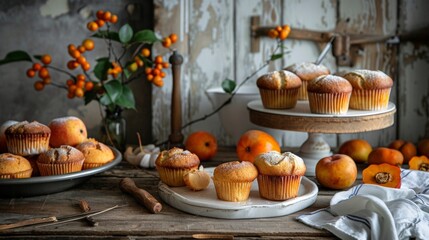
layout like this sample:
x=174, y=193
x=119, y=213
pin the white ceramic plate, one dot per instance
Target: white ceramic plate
x=205, y=203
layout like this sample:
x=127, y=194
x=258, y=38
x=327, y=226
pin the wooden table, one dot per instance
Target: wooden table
x=133, y=221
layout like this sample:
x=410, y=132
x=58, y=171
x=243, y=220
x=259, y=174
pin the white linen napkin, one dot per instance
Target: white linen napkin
x=372, y=212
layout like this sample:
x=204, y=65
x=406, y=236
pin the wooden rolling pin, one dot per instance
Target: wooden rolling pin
x=142, y=196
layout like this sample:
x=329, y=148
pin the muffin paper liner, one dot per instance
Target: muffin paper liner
x=173, y=177
x=329, y=103
x=302, y=93
x=22, y=174
x=92, y=165
x=27, y=144
x=278, y=188
x=372, y=100
x=48, y=169
x=279, y=99
x=232, y=191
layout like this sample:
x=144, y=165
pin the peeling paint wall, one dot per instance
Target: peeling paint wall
x=48, y=26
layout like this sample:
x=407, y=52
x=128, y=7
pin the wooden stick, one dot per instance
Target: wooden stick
x=28, y=222
x=142, y=196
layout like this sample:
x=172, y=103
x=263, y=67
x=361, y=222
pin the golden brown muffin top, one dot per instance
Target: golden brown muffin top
x=235, y=171
x=62, y=154
x=280, y=164
x=307, y=70
x=11, y=163
x=368, y=79
x=329, y=84
x=177, y=158
x=278, y=80
x=95, y=152
x=27, y=127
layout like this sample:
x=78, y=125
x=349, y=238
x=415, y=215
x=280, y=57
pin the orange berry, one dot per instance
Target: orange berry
x=74, y=53
x=272, y=33
x=114, y=19
x=80, y=84
x=278, y=28
x=81, y=49
x=31, y=73
x=166, y=42
x=70, y=95
x=149, y=77
x=107, y=15
x=72, y=64
x=173, y=37
x=81, y=59
x=162, y=74
x=72, y=88
x=148, y=70
x=38, y=85
x=158, y=66
x=46, y=59
x=69, y=82
x=86, y=66
x=37, y=66
x=88, y=44
x=100, y=23
x=47, y=80
x=165, y=65
x=89, y=86
x=99, y=14
x=79, y=92
x=157, y=81
x=140, y=63
x=158, y=59
x=92, y=26
x=71, y=47
x=133, y=67
x=145, y=52
x=43, y=73
x=80, y=77
x=156, y=71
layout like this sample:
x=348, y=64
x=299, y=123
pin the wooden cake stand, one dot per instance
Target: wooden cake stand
x=301, y=119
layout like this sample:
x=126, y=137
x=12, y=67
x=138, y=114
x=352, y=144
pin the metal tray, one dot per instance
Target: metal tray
x=35, y=186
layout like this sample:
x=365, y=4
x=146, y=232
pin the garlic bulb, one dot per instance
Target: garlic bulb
x=145, y=158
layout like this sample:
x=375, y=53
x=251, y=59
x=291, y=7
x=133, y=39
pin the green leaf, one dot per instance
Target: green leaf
x=276, y=56
x=125, y=33
x=113, y=89
x=145, y=36
x=228, y=85
x=89, y=96
x=126, y=99
x=105, y=100
x=16, y=56
x=101, y=68
x=114, y=36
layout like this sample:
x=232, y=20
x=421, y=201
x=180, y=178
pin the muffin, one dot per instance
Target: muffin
x=279, y=89
x=233, y=180
x=307, y=71
x=14, y=166
x=61, y=160
x=27, y=138
x=329, y=94
x=279, y=175
x=371, y=89
x=173, y=164
x=96, y=153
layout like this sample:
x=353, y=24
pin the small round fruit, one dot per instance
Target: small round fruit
x=67, y=131
x=338, y=171
x=385, y=155
x=46, y=59
x=423, y=147
x=357, y=149
x=203, y=144
x=254, y=142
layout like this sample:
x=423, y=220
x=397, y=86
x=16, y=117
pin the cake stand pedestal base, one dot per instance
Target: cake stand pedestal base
x=312, y=150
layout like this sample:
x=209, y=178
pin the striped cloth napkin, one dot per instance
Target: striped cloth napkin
x=373, y=212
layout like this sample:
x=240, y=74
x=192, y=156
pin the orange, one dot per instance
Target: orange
x=203, y=144
x=254, y=142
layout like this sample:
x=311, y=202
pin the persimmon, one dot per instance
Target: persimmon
x=419, y=163
x=396, y=144
x=384, y=174
x=408, y=149
x=202, y=143
x=254, y=142
x=385, y=155
x=423, y=147
x=357, y=149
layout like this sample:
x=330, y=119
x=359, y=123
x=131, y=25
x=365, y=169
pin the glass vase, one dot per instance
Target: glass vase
x=113, y=129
